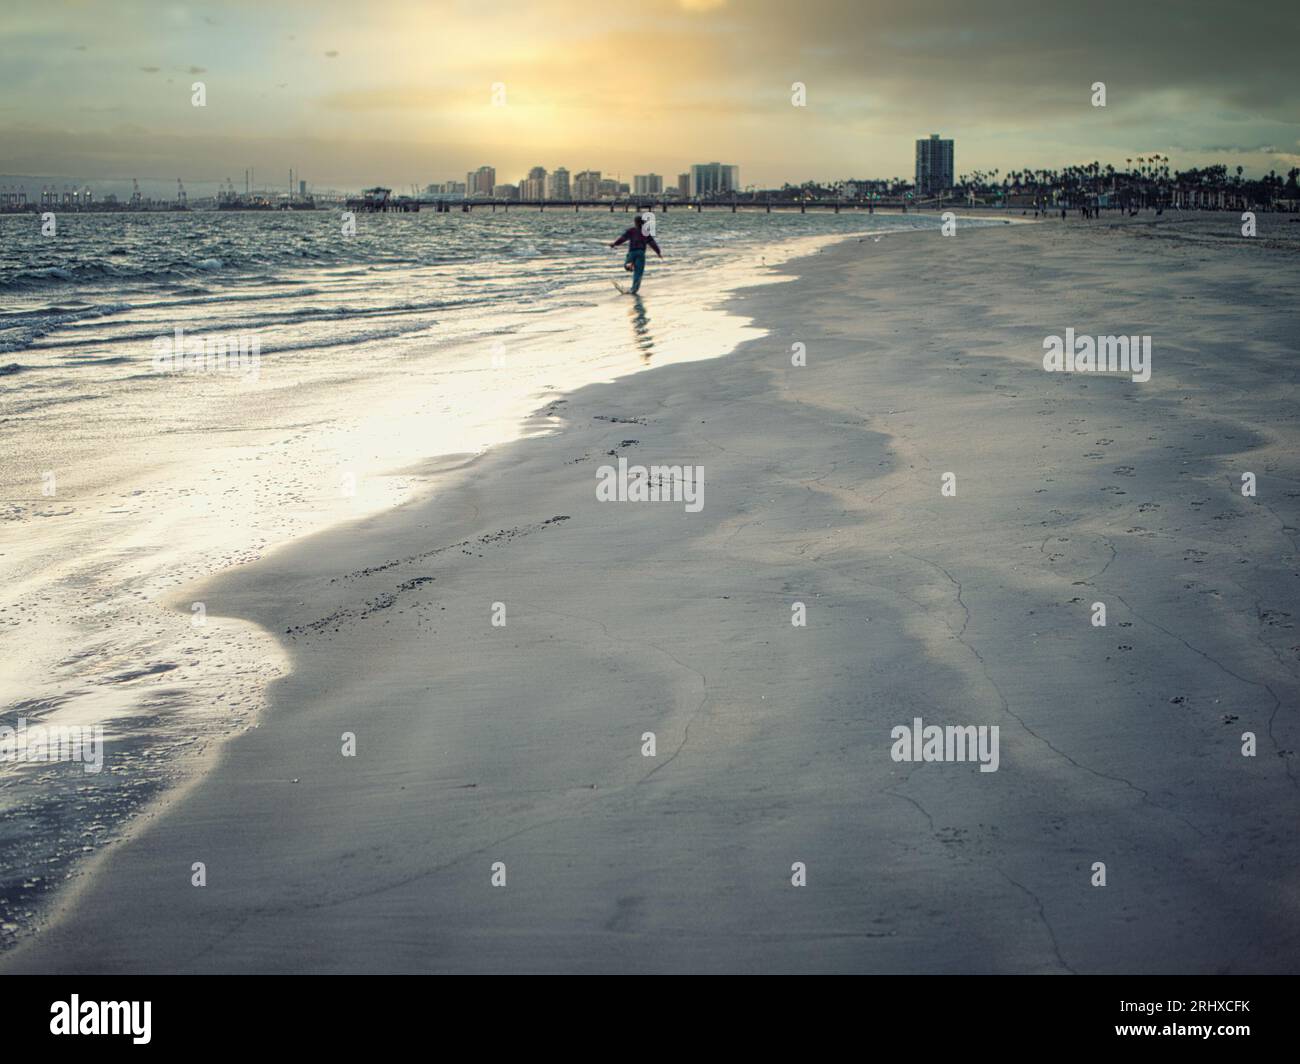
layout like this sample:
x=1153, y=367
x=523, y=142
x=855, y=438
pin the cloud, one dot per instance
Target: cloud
x=1237, y=149
x=694, y=79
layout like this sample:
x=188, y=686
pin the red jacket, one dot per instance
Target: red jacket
x=638, y=240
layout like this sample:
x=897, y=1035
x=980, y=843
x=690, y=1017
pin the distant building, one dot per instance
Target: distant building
x=933, y=166
x=648, y=184
x=684, y=186
x=611, y=189
x=481, y=181
x=448, y=190
x=532, y=189
x=302, y=189
x=860, y=188
x=505, y=192
x=557, y=184
x=714, y=179
x=586, y=185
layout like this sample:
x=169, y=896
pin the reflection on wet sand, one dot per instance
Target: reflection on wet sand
x=641, y=328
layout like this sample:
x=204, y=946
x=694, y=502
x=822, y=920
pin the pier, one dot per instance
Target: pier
x=665, y=206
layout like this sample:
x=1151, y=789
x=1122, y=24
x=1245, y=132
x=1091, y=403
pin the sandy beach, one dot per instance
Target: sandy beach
x=500, y=813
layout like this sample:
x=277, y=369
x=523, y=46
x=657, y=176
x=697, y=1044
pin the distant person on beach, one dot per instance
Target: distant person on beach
x=637, y=240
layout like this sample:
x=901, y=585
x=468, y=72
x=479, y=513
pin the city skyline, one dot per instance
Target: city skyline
x=356, y=103
x=1141, y=179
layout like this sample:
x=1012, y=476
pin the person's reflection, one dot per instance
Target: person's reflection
x=641, y=328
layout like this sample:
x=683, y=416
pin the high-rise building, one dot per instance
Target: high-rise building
x=479, y=182
x=611, y=189
x=714, y=179
x=586, y=185
x=557, y=184
x=532, y=189
x=684, y=186
x=648, y=184
x=505, y=192
x=933, y=166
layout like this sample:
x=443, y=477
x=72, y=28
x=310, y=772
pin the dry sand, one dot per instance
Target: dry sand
x=522, y=744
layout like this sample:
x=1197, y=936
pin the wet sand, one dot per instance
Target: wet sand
x=522, y=744
x=164, y=481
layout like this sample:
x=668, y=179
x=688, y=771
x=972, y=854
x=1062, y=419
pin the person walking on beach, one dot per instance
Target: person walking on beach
x=637, y=240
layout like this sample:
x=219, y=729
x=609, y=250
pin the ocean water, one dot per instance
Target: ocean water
x=293, y=265
x=122, y=488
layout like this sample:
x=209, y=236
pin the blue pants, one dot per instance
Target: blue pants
x=637, y=258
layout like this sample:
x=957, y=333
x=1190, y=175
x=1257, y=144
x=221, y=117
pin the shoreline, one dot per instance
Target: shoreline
x=940, y=654
x=399, y=479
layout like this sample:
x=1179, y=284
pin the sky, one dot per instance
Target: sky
x=398, y=92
